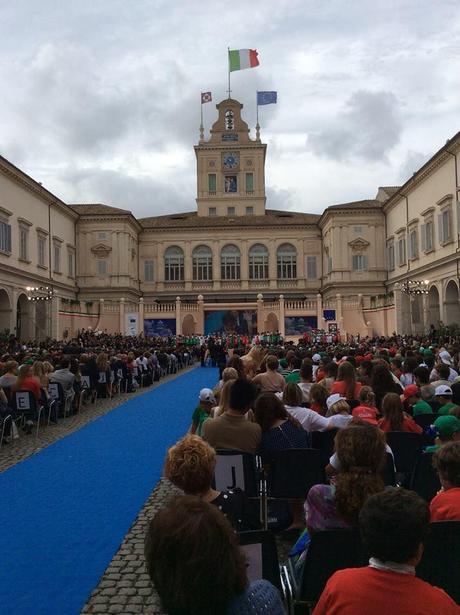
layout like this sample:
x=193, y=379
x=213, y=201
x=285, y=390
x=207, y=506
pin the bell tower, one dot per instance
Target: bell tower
x=230, y=167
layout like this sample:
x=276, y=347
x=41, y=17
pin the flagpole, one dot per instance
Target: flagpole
x=228, y=61
x=257, y=107
x=201, y=124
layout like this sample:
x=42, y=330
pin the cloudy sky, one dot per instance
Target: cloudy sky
x=100, y=98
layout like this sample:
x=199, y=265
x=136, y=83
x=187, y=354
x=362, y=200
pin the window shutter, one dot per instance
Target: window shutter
x=458, y=217
x=423, y=230
x=448, y=235
x=364, y=262
x=440, y=229
x=8, y=238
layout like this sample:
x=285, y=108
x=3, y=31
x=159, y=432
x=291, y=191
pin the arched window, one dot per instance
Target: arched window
x=202, y=263
x=230, y=263
x=174, y=264
x=286, y=260
x=258, y=262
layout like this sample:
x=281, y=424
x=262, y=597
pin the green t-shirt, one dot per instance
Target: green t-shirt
x=446, y=408
x=293, y=377
x=199, y=416
x=432, y=449
x=422, y=407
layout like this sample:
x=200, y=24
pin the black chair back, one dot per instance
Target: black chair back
x=406, y=448
x=425, y=420
x=293, y=471
x=236, y=469
x=262, y=556
x=324, y=441
x=389, y=472
x=425, y=480
x=329, y=551
x=441, y=557
x=435, y=405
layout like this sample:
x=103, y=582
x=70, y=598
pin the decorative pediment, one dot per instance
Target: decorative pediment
x=358, y=245
x=101, y=250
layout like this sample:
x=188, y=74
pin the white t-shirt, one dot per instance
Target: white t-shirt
x=340, y=420
x=309, y=419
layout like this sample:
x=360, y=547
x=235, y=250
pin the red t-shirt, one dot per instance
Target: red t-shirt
x=366, y=590
x=445, y=506
x=30, y=384
x=340, y=387
x=408, y=425
x=366, y=413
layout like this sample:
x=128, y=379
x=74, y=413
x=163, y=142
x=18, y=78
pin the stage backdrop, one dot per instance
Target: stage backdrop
x=298, y=325
x=231, y=321
x=157, y=327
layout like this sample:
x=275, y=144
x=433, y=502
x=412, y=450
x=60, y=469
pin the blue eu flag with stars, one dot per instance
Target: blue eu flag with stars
x=266, y=98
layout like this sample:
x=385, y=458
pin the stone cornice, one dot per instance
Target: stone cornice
x=31, y=185
x=451, y=148
x=35, y=277
x=194, y=230
x=84, y=219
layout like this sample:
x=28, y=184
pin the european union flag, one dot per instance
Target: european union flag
x=266, y=98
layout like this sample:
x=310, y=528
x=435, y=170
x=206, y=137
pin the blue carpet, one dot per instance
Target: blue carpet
x=66, y=509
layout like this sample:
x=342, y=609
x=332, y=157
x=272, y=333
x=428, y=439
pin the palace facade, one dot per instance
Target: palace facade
x=389, y=263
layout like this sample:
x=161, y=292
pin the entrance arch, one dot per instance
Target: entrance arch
x=5, y=312
x=23, y=318
x=433, y=306
x=271, y=324
x=188, y=325
x=451, y=304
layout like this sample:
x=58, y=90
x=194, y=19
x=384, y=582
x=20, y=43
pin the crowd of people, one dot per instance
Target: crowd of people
x=271, y=398
x=60, y=376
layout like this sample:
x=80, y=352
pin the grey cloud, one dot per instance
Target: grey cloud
x=414, y=160
x=368, y=127
x=144, y=196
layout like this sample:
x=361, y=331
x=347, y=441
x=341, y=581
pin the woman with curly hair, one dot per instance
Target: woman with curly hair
x=190, y=465
x=196, y=566
x=360, y=449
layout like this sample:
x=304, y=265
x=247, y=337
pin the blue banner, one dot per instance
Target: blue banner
x=267, y=98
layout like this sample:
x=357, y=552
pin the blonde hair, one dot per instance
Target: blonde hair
x=48, y=367
x=190, y=465
x=367, y=396
x=229, y=373
x=337, y=408
x=224, y=398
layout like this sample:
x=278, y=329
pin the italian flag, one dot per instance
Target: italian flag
x=242, y=58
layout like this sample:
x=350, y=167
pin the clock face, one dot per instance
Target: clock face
x=230, y=160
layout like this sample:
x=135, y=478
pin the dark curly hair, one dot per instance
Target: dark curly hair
x=360, y=448
x=193, y=558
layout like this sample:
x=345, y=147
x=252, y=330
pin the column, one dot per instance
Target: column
x=101, y=315
x=141, y=316
x=398, y=309
x=260, y=313
x=272, y=269
x=200, y=315
x=281, y=323
x=188, y=274
x=244, y=264
x=319, y=310
x=425, y=313
x=54, y=317
x=339, y=314
x=121, y=322
x=216, y=265
x=178, y=317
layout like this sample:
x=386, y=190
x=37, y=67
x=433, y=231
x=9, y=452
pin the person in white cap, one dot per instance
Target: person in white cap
x=338, y=410
x=316, y=358
x=206, y=401
x=443, y=395
x=444, y=358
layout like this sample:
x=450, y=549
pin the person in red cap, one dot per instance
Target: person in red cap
x=413, y=401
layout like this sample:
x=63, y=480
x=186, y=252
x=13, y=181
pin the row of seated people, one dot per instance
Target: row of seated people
x=39, y=388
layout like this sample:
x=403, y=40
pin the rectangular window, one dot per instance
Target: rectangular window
x=101, y=267
x=413, y=245
x=42, y=251
x=249, y=210
x=329, y=264
x=311, y=268
x=57, y=258
x=212, y=211
x=148, y=271
x=427, y=236
x=391, y=257
x=359, y=262
x=358, y=230
x=5, y=236
x=102, y=235
x=444, y=226
x=402, y=251
x=70, y=261
x=230, y=211
x=250, y=182
x=23, y=240
x=212, y=183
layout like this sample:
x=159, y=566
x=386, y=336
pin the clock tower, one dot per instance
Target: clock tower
x=230, y=167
